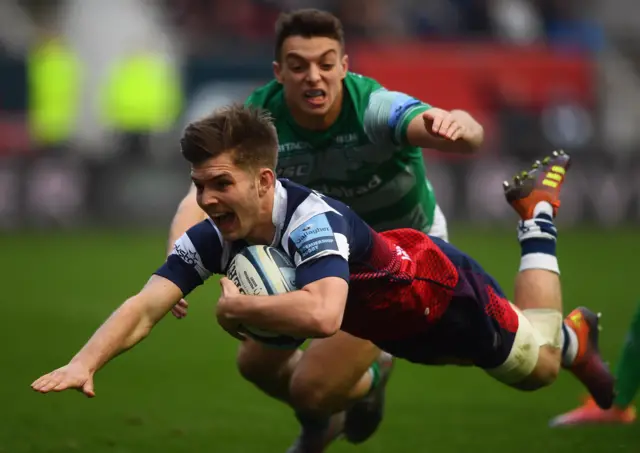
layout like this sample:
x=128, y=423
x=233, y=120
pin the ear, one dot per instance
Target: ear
x=266, y=181
x=277, y=71
x=345, y=65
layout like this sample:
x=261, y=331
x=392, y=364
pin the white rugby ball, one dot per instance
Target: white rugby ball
x=261, y=270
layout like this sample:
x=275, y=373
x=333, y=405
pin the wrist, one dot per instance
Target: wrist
x=84, y=362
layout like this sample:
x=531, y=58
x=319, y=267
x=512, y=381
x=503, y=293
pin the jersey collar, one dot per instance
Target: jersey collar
x=279, y=212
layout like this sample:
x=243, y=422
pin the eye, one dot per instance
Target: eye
x=199, y=187
x=223, y=184
x=327, y=66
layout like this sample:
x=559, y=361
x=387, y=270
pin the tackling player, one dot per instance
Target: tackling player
x=346, y=136
x=627, y=384
x=412, y=295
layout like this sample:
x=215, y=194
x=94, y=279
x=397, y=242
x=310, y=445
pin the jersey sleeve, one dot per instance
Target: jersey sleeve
x=388, y=114
x=196, y=255
x=320, y=248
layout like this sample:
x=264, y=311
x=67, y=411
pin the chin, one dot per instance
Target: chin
x=319, y=112
x=231, y=235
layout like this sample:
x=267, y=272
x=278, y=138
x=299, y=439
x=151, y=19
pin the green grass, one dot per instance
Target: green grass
x=179, y=390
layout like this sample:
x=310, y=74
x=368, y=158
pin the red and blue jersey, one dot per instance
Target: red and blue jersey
x=401, y=282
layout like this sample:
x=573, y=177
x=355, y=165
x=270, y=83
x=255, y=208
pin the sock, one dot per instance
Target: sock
x=374, y=369
x=569, y=341
x=628, y=370
x=537, y=238
x=313, y=422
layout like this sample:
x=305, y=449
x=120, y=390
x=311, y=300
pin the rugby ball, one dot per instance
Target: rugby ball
x=261, y=270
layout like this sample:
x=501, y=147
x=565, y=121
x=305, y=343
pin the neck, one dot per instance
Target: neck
x=320, y=123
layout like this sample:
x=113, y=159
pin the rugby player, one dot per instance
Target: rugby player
x=346, y=136
x=413, y=295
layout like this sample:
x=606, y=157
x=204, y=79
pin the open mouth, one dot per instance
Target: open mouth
x=315, y=97
x=224, y=220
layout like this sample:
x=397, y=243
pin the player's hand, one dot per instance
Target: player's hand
x=444, y=124
x=179, y=310
x=228, y=297
x=71, y=376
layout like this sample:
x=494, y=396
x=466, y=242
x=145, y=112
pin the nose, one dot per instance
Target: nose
x=313, y=75
x=207, y=199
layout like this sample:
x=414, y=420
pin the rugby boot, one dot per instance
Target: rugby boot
x=364, y=417
x=542, y=183
x=591, y=414
x=588, y=366
x=316, y=434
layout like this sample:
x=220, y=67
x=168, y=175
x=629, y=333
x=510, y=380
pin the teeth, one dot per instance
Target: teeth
x=314, y=93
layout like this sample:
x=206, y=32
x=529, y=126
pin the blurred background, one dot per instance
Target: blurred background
x=94, y=95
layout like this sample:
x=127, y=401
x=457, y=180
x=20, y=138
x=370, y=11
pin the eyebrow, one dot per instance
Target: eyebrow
x=294, y=54
x=195, y=179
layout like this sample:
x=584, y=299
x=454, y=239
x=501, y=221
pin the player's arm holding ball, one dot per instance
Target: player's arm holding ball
x=320, y=253
x=314, y=311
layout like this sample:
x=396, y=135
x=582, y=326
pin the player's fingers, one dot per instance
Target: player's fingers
x=178, y=312
x=432, y=119
x=456, y=134
x=39, y=384
x=437, y=124
x=228, y=287
x=183, y=303
x=446, y=124
x=50, y=384
x=44, y=381
x=454, y=126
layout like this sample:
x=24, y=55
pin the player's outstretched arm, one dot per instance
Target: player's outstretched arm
x=187, y=215
x=126, y=327
x=315, y=311
x=449, y=131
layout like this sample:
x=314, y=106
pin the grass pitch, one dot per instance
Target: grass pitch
x=179, y=390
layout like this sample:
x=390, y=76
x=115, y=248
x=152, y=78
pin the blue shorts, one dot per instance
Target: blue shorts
x=478, y=326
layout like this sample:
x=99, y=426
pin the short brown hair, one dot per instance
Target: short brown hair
x=308, y=23
x=246, y=131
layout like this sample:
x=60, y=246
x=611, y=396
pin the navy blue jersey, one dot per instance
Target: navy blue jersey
x=322, y=236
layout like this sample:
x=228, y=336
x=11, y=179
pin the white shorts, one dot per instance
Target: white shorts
x=439, y=226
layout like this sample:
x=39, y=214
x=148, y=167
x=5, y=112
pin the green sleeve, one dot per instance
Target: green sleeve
x=388, y=114
x=406, y=119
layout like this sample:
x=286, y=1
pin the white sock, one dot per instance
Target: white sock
x=537, y=238
x=569, y=345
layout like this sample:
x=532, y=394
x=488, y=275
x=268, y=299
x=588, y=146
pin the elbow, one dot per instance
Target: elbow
x=324, y=323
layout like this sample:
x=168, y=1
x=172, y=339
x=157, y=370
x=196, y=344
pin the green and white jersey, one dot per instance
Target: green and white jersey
x=363, y=159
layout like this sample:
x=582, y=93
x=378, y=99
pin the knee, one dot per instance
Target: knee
x=310, y=394
x=252, y=365
x=545, y=372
